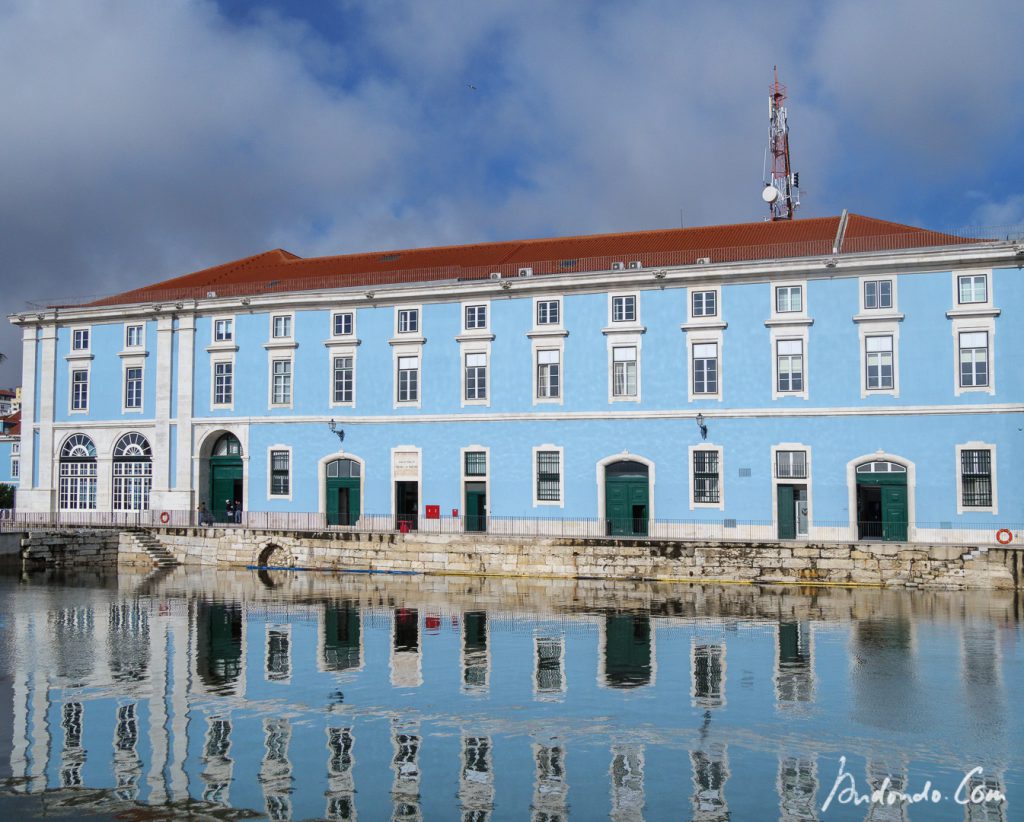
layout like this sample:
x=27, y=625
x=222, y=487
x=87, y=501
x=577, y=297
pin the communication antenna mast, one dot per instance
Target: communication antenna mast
x=782, y=191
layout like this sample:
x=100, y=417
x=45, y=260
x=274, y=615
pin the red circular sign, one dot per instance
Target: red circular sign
x=165, y=517
x=1004, y=536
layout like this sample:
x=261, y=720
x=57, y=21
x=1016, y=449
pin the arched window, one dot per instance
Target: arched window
x=340, y=469
x=133, y=473
x=227, y=446
x=881, y=467
x=77, y=490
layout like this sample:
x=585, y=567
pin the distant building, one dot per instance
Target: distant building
x=834, y=377
x=9, y=401
x=10, y=449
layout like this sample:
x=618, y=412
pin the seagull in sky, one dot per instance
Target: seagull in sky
x=470, y=86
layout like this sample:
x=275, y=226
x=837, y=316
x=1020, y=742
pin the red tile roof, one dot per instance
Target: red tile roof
x=11, y=425
x=280, y=271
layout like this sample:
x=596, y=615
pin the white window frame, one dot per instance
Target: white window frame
x=560, y=502
x=710, y=289
x=87, y=368
x=398, y=355
x=706, y=446
x=475, y=307
x=777, y=288
x=128, y=327
x=223, y=318
x=276, y=358
x=399, y=311
x=282, y=315
x=75, y=331
x=466, y=350
x=975, y=445
x=15, y=466
x=536, y=312
x=464, y=477
x=613, y=346
x=270, y=473
x=334, y=354
x=334, y=328
x=125, y=408
x=777, y=481
x=782, y=334
x=970, y=326
x=862, y=284
x=557, y=348
x=703, y=338
x=213, y=382
x=623, y=295
x=485, y=389
x=974, y=274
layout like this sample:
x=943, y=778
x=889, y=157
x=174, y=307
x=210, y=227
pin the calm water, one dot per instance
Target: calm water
x=301, y=696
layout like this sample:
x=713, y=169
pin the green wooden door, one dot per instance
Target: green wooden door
x=343, y=500
x=225, y=483
x=476, y=506
x=786, y=512
x=894, y=513
x=626, y=505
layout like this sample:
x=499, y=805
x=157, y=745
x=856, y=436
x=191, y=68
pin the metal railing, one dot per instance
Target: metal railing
x=1010, y=535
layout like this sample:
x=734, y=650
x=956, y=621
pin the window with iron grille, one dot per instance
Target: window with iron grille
x=705, y=476
x=705, y=368
x=280, y=470
x=877, y=294
x=133, y=388
x=80, y=390
x=476, y=463
x=548, y=312
x=476, y=376
x=976, y=477
x=791, y=464
x=223, y=383
x=282, y=387
x=704, y=304
x=549, y=477
x=342, y=324
x=476, y=317
x=343, y=379
x=623, y=309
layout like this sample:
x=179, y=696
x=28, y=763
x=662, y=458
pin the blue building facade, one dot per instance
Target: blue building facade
x=864, y=393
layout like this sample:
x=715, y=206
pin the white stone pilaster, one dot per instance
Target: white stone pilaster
x=45, y=389
x=28, y=410
x=165, y=373
x=186, y=358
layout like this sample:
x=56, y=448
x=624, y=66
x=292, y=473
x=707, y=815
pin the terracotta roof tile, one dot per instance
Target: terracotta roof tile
x=279, y=271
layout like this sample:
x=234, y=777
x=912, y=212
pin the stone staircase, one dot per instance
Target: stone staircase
x=146, y=542
x=974, y=554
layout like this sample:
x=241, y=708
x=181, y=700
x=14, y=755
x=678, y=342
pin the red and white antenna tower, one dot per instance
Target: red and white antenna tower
x=782, y=191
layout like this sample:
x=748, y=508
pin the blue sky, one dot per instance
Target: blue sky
x=142, y=140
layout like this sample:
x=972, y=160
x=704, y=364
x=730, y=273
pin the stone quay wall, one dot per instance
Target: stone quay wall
x=890, y=564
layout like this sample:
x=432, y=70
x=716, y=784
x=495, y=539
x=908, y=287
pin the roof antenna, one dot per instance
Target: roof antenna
x=782, y=191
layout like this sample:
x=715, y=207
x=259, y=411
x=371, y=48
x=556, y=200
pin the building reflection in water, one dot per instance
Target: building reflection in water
x=476, y=779
x=127, y=764
x=406, y=660
x=627, y=783
x=627, y=651
x=278, y=666
x=276, y=768
x=72, y=754
x=476, y=664
x=219, y=646
x=405, y=787
x=888, y=775
x=707, y=662
x=794, y=669
x=710, y=766
x=549, y=667
x=797, y=787
x=342, y=638
x=550, y=788
x=128, y=638
x=884, y=674
x=341, y=788
x=218, y=766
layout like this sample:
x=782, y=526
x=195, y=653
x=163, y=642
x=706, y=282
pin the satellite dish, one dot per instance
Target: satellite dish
x=770, y=194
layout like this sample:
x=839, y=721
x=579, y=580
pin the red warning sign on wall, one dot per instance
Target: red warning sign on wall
x=433, y=512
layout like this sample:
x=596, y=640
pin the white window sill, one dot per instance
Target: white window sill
x=274, y=344
x=711, y=324
x=624, y=328
x=553, y=331
x=79, y=355
x=133, y=352
x=338, y=342
x=782, y=319
x=978, y=311
x=878, y=316
x=219, y=347
x=410, y=339
x=475, y=336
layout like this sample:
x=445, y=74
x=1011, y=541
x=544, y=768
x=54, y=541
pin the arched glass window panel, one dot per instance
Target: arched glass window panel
x=881, y=467
x=625, y=468
x=227, y=446
x=132, y=446
x=339, y=469
x=78, y=446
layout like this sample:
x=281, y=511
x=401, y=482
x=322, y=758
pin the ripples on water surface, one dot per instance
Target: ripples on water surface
x=304, y=696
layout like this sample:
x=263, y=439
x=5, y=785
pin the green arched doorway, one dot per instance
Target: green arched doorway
x=344, y=478
x=626, y=498
x=225, y=475
x=882, y=501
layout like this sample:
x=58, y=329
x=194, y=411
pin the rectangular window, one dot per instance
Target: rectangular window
x=223, y=383
x=133, y=388
x=343, y=379
x=408, y=321
x=976, y=478
x=973, y=288
x=549, y=384
x=705, y=368
x=877, y=294
x=791, y=464
x=973, y=359
x=790, y=360
x=476, y=463
x=282, y=327
x=548, y=312
x=704, y=304
x=476, y=317
x=280, y=479
x=15, y=468
x=223, y=330
x=624, y=309
x=408, y=379
x=80, y=390
x=80, y=339
x=789, y=298
x=624, y=371
x=282, y=387
x=549, y=477
x=705, y=477
x=476, y=376
x=878, y=362
x=133, y=336
x=342, y=324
